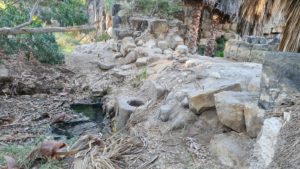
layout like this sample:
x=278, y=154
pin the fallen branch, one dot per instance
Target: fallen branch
x=14, y=31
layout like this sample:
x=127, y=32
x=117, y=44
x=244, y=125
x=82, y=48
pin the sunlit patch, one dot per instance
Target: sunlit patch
x=2, y=5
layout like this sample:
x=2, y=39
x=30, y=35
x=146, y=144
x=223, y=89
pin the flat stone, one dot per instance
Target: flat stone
x=231, y=149
x=163, y=45
x=230, y=108
x=202, y=100
x=105, y=66
x=141, y=61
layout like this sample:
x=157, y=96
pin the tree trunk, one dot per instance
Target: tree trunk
x=210, y=47
x=193, y=21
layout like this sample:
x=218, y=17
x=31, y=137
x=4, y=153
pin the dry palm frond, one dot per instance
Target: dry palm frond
x=291, y=35
x=109, y=154
x=254, y=13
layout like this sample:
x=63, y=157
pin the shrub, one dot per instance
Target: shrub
x=102, y=37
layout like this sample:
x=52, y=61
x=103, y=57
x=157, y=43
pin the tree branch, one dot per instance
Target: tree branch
x=32, y=12
x=13, y=31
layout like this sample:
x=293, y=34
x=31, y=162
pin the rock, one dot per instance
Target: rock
x=165, y=112
x=158, y=26
x=140, y=43
x=115, y=46
x=4, y=75
x=105, y=66
x=168, y=51
x=182, y=120
x=185, y=103
x=117, y=55
x=115, y=9
x=116, y=21
x=157, y=50
x=265, y=146
x=280, y=78
x=182, y=50
x=124, y=107
x=254, y=117
x=231, y=149
x=175, y=41
x=120, y=33
x=150, y=44
x=141, y=61
x=137, y=34
x=127, y=45
x=163, y=45
x=204, y=99
x=131, y=57
x=142, y=51
x=138, y=24
x=154, y=89
x=230, y=108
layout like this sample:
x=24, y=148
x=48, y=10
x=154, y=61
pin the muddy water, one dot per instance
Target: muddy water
x=92, y=120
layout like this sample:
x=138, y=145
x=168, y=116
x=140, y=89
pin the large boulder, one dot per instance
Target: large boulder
x=265, y=146
x=230, y=108
x=127, y=45
x=158, y=26
x=254, y=117
x=231, y=149
x=280, y=78
x=202, y=100
x=131, y=57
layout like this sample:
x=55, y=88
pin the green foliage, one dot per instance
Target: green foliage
x=42, y=46
x=161, y=8
x=102, y=37
x=108, y=4
x=139, y=78
x=70, y=13
x=219, y=47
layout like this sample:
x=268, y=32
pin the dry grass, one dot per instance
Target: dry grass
x=94, y=152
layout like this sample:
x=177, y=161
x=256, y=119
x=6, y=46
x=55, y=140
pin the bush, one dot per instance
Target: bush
x=41, y=46
x=102, y=37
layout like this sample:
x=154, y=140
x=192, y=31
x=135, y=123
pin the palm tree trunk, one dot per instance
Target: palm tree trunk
x=210, y=47
x=193, y=21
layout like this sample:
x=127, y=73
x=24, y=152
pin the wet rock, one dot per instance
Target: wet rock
x=265, y=146
x=141, y=62
x=158, y=26
x=127, y=45
x=124, y=107
x=131, y=57
x=280, y=78
x=163, y=45
x=254, y=117
x=105, y=66
x=230, y=108
x=231, y=149
x=204, y=99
